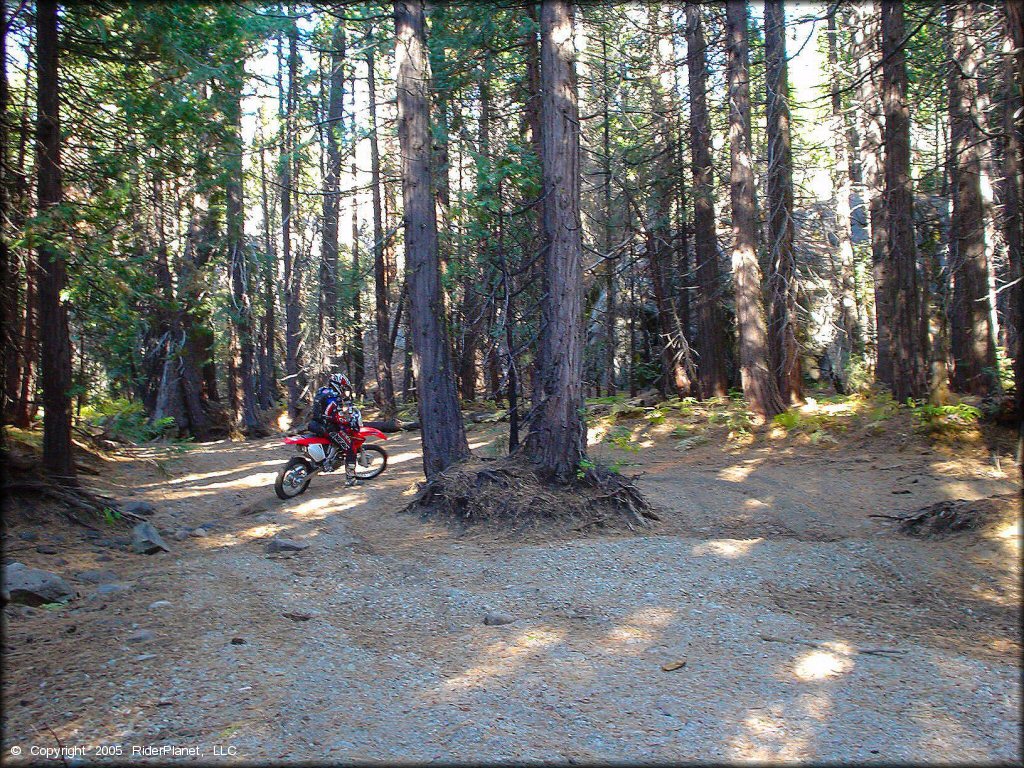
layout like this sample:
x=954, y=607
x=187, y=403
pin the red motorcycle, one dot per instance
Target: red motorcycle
x=294, y=477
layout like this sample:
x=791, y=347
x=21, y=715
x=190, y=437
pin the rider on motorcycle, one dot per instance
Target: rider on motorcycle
x=336, y=417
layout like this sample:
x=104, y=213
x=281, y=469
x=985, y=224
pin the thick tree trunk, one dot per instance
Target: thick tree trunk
x=866, y=53
x=710, y=322
x=557, y=437
x=444, y=437
x=55, y=349
x=759, y=385
x=782, y=321
x=385, y=378
x=974, y=354
x=908, y=349
x=268, y=330
x=1013, y=195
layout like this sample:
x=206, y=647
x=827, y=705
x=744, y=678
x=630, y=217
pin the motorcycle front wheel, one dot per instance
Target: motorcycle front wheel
x=370, y=461
x=293, y=479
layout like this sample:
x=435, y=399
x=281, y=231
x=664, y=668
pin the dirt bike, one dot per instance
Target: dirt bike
x=294, y=477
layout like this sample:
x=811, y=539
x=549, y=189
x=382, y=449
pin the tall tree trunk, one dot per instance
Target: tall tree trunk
x=782, y=278
x=385, y=379
x=332, y=192
x=1015, y=26
x=677, y=361
x=292, y=276
x=8, y=269
x=55, y=349
x=1013, y=170
x=444, y=437
x=268, y=330
x=974, y=354
x=240, y=262
x=849, y=303
x=557, y=436
x=908, y=350
x=759, y=385
x=610, y=265
x=710, y=322
x=866, y=53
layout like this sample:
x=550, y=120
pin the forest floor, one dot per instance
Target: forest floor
x=810, y=631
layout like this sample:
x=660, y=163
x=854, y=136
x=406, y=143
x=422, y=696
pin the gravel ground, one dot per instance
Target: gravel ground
x=809, y=631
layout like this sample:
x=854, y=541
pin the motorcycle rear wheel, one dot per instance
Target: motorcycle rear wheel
x=293, y=479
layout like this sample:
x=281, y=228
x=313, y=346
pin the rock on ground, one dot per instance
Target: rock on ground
x=34, y=586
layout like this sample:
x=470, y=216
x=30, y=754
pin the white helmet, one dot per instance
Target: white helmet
x=339, y=383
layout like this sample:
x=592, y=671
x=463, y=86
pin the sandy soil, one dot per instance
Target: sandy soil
x=809, y=630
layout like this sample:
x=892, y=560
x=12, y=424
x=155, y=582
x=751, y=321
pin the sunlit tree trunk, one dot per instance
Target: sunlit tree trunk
x=292, y=276
x=759, y=386
x=331, y=202
x=782, y=321
x=866, y=54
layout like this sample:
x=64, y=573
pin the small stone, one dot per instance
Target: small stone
x=97, y=576
x=238, y=641
x=143, y=508
x=104, y=558
x=181, y=534
x=146, y=540
x=497, y=619
x=142, y=636
x=46, y=549
x=157, y=605
x=285, y=545
x=200, y=533
x=28, y=536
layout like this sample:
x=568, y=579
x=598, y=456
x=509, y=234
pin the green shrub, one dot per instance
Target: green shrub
x=943, y=419
x=126, y=420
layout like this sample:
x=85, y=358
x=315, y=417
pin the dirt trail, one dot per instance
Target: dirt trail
x=810, y=631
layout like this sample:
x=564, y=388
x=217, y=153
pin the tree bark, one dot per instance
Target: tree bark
x=710, y=322
x=866, y=52
x=974, y=354
x=55, y=349
x=557, y=435
x=782, y=321
x=239, y=260
x=1013, y=174
x=849, y=303
x=331, y=202
x=292, y=276
x=908, y=348
x=444, y=437
x=385, y=378
x=759, y=385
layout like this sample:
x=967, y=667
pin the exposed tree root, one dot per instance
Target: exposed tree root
x=508, y=492
x=948, y=517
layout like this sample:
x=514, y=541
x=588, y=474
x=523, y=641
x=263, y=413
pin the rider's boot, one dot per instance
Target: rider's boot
x=350, y=475
x=332, y=454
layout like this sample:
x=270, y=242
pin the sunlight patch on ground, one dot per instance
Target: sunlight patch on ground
x=638, y=630
x=819, y=663
x=765, y=737
x=729, y=548
x=504, y=658
x=260, y=480
x=208, y=475
x=261, y=531
x=318, y=509
x=400, y=458
x=737, y=473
